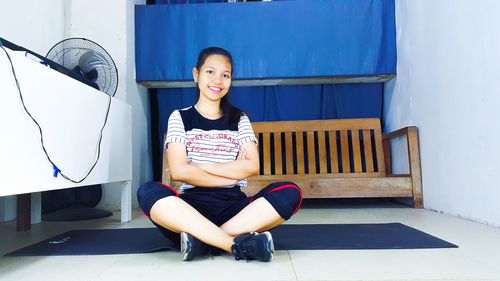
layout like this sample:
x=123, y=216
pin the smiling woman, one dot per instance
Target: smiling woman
x=212, y=149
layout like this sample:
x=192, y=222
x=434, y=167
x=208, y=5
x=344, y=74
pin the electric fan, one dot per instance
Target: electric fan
x=88, y=59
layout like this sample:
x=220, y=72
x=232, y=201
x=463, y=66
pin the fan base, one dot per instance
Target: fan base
x=76, y=214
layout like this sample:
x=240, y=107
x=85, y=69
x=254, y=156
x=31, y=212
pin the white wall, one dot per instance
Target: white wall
x=38, y=25
x=112, y=26
x=35, y=25
x=448, y=65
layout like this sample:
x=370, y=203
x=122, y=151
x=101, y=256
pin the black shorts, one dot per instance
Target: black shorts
x=221, y=204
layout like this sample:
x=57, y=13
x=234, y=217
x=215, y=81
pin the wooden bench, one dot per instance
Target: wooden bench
x=342, y=158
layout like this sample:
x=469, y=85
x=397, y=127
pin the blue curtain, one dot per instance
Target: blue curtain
x=199, y=1
x=337, y=38
x=268, y=40
x=278, y=103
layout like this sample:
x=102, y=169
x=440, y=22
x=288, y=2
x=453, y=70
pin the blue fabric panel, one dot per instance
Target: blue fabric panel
x=197, y=1
x=279, y=39
x=277, y=103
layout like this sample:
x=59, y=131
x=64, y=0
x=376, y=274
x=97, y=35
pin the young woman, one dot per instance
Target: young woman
x=211, y=148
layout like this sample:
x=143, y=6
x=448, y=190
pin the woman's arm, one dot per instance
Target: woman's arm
x=181, y=170
x=246, y=165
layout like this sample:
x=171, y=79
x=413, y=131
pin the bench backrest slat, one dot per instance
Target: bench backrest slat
x=356, y=151
x=344, y=144
x=367, y=146
x=380, y=150
x=332, y=136
x=277, y=155
x=341, y=146
x=311, y=154
x=289, y=153
x=300, y=154
x=323, y=163
x=267, y=153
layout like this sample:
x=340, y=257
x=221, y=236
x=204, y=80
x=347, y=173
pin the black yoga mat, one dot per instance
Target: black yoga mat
x=286, y=237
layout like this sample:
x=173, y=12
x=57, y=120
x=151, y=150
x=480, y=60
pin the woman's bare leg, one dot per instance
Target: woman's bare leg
x=257, y=216
x=176, y=215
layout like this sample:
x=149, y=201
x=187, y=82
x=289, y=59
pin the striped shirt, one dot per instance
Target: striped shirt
x=208, y=141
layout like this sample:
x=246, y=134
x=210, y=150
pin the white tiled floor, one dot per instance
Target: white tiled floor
x=477, y=258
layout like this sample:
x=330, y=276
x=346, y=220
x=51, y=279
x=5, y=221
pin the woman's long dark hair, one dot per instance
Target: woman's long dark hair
x=229, y=111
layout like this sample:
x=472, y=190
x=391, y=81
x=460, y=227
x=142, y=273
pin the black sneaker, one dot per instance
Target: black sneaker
x=254, y=246
x=191, y=247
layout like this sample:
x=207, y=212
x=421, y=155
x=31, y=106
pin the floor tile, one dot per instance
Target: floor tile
x=426, y=264
x=159, y=266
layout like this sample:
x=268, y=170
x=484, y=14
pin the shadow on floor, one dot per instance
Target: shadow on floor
x=354, y=203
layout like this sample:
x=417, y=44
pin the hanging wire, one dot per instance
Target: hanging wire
x=57, y=170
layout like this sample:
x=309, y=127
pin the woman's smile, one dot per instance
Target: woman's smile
x=215, y=90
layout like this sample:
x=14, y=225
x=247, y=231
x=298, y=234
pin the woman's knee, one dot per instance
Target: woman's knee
x=285, y=197
x=295, y=193
x=149, y=193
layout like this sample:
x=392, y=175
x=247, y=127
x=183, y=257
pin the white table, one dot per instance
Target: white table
x=71, y=115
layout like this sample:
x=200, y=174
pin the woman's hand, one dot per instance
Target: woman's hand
x=208, y=167
x=192, y=173
x=246, y=164
x=242, y=155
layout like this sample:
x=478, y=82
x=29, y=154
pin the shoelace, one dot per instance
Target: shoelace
x=239, y=253
x=241, y=249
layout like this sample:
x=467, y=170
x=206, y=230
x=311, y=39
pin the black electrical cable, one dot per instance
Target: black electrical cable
x=56, y=169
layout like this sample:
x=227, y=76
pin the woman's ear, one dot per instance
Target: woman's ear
x=195, y=75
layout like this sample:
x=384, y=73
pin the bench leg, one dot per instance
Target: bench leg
x=418, y=203
x=414, y=158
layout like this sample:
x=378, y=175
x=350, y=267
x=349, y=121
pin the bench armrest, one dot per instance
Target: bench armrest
x=400, y=132
x=411, y=134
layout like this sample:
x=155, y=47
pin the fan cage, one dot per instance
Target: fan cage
x=68, y=52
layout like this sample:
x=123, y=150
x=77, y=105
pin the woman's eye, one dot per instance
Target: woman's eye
x=210, y=71
x=227, y=76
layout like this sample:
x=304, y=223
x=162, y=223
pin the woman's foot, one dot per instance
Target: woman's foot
x=191, y=247
x=254, y=246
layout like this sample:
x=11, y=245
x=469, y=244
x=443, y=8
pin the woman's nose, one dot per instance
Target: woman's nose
x=217, y=79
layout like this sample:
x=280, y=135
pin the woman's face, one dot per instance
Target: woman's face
x=213, y=77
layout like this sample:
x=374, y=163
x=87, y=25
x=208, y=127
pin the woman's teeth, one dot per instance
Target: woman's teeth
x=215, y=89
